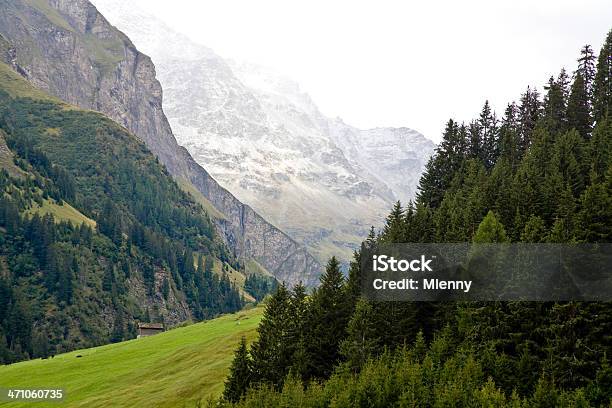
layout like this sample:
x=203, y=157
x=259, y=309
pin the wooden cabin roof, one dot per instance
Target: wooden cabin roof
x=157, y=326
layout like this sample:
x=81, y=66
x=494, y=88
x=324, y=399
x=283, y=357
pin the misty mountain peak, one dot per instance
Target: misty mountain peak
x=265, y=140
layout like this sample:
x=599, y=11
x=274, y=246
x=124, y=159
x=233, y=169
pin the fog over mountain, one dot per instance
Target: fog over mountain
x=322, y=181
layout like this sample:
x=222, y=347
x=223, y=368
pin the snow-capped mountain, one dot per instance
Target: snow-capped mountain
x=393, y=155
x=320, y=180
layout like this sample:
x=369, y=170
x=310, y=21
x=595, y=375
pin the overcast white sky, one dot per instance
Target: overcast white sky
x=398, y=63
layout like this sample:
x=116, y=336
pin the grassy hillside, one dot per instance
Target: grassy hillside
x=64, y=212
x=171, y=369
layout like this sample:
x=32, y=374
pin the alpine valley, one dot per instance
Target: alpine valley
x=106, y=220
x=69, y=50
x=320, y=180
x=129, y=274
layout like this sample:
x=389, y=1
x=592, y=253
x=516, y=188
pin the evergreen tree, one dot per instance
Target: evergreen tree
x=487, y=124
x=201, y=268
x=509, y=143
x=586, y=69
x=535, y=230
x=599, y=150
x=109, y=222
x=108, y=279
x=165, y=288
x=560, y=232
x=555, y=106
x=602, y=84
x=296, y=333
x=568, y=159
x=431, y=187
x=19, y=328
x=595, y=217
x=563, y=81
x=270, y=353
x=208, y=264
x=439, y=169
x=529, y=114
x=566, y=213
x=535, y=182
x=118, y=328
x=239, y=377
x=393, y=231
x=362, y=341
x=40, y=345
x=422, y=229
x=475, y=144
x=498, y=190
x=463, y=206
x=490, y=230
x=453, y=146
x=578, y=107
x=65, y=286
x=325, y=328
x=601, y=390
x=148, y=276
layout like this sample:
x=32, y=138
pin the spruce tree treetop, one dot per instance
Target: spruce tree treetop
x=371, y=239
x=586, y=68
x=332, y=278
x=555, y=105
x=490, y=230
x=440, y=168
x=487, y=124
x=529, y=112
x=579, y=107
x=270, y=353
x=602, y=84
x=329, y=312
x=394, y=226
x=240, y=374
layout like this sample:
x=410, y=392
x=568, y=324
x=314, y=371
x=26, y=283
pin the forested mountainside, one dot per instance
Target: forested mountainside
x=263, y=138
x=94, y=232
x=68, y=49
x=542, y=173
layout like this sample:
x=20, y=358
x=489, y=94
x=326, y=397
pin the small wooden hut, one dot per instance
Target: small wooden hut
x=149, y=329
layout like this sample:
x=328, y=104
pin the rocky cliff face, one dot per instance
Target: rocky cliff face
x=396, y=155
x=68, y=49
x=265, y=140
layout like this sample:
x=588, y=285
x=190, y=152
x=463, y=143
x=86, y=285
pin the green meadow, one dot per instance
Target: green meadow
x=171, y=369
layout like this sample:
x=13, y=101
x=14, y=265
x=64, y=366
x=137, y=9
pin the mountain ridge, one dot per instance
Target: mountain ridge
x=265, y=140
x=68, y=49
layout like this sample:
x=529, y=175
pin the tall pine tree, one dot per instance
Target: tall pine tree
x=325, y=327
x=240, y=375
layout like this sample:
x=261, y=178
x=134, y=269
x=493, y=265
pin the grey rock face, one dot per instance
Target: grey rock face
x=68, y=49
x=265, y=140
x=395, y=155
